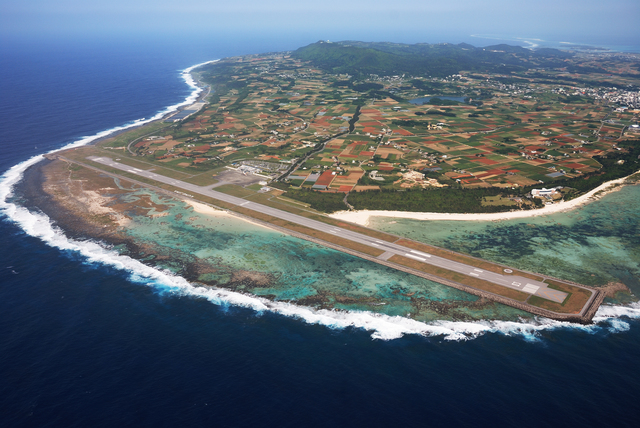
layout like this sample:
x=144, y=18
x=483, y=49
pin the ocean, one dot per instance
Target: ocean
x=91, y=338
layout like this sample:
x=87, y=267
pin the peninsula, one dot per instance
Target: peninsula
x=280, y=139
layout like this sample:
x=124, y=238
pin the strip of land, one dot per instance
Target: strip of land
x=534, y=293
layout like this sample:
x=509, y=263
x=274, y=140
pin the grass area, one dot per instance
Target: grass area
x=460, y=278
x=293, y=202
x=205, y=179
x=233, y=190
x=497, y=200
x=270, y=201
x=122, y=140
x=573, y=304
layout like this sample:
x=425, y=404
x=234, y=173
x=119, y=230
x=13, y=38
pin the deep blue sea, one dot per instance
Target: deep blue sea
x=84, y=343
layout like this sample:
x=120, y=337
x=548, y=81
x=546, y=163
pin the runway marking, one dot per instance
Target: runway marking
x=415, y=257
x=420, y=253
x=530, y=288
x=380, y=242
x=375, y=245
x=474, y=274
x=478, y=270
x=517, y=284
x=248, y=202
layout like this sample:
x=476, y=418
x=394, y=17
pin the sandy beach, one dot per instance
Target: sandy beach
x=362, y=217
x=206, y=209
x=215, y=212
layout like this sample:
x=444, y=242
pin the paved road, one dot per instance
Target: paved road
x=511, y=281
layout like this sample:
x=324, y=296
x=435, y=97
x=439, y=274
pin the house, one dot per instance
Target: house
x=543, y=193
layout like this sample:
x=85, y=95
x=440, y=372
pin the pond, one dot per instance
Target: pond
x=424, y=100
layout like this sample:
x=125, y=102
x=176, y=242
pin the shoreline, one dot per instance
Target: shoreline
x=98, y=222
x=198, y=92
x=198, y=207
x=363, y=217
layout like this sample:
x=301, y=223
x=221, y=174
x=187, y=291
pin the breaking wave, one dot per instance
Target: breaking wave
x=384, y=327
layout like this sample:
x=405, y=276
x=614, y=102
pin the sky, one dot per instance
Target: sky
x=410, y=21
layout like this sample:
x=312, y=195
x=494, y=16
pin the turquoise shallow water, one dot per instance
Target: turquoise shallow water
x=225, y=251
x=595, y=244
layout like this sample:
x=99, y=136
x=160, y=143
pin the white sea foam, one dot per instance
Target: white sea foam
x=382, y=326
x=606, y=312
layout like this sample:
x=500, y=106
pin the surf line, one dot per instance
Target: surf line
x=384, y=327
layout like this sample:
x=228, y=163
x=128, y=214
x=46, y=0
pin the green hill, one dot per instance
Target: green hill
x=422, y=59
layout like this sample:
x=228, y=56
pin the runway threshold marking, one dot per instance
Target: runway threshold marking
x=474, y=274
x=420, y=253
x=416, y=257
x=530, y=288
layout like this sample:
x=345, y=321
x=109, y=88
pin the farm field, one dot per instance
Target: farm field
x=306, y=128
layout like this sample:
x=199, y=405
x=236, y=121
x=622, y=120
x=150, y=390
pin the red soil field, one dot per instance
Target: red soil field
x=325, y=179
x=495, y=171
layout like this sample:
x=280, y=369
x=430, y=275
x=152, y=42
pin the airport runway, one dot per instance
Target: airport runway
x=511, y=281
